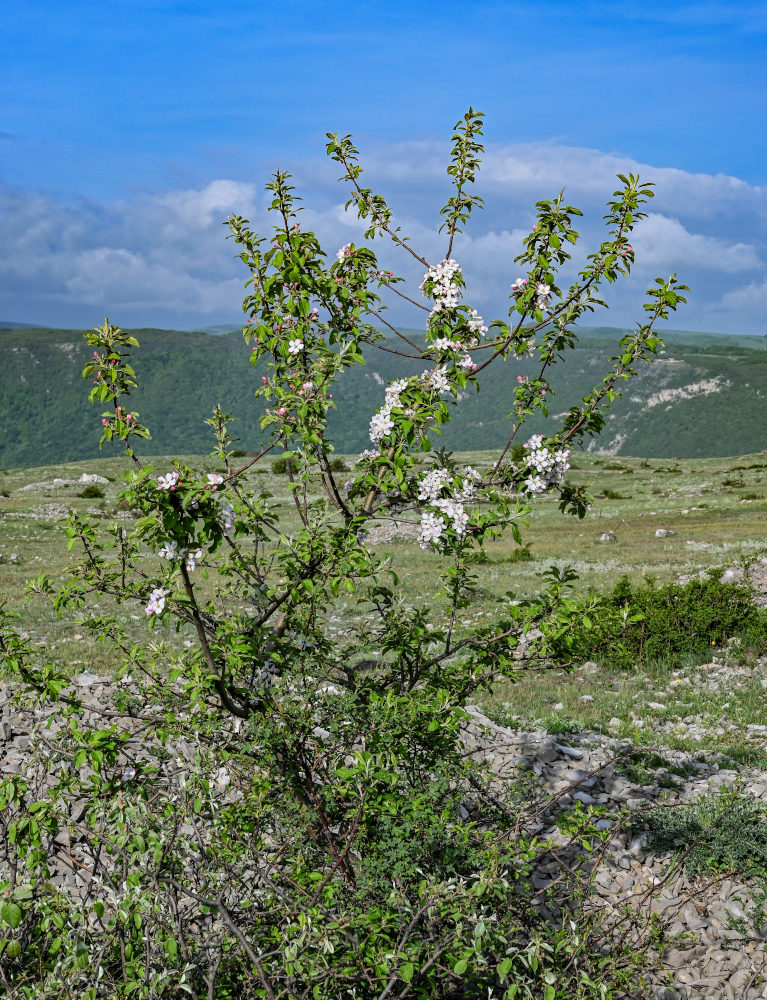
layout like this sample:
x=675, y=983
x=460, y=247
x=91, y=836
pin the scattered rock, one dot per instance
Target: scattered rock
x=607, y=537
x=664, y=533
x=568, y=751
x=86, y=679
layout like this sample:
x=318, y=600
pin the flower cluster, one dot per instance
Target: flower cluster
x=214, y=480
x=547, y=467
x=172, y=552
x=444, y=344
x=382, y=422
x=476, y=323
x=445, y=293
x=542, y=291
x=345, y=251
x=120, y=414
x=156, y=602
x=437, y=379
x=169, y=482
x=431, y=490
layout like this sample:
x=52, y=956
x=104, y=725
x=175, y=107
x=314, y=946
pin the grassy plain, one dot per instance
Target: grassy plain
x=716, y=509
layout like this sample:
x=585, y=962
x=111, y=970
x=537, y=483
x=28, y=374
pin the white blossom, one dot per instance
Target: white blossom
x=167, y=482
x=431, y=529
x=193, y=556
x=436, y=379
x=295, y=346
x=547, y=467
x=214, y=479
x=170, y=551
x=345, y=251
x=381, y=425
x=445, y=293
x=476, y=323
x=432, y=484
x=156, y=601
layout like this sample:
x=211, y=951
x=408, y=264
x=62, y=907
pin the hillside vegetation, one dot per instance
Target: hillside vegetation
x=700, y=398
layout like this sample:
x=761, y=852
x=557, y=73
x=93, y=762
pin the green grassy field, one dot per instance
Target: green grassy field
x=717, y=509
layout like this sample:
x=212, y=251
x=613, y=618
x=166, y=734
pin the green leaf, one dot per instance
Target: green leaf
x=460, y=967
x=406, y=972
x=11, y=914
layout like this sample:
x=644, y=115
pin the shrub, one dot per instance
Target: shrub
x=257, y=816
x=283, y=464
x=91, y=492
x=636, y=625
x=724, y=833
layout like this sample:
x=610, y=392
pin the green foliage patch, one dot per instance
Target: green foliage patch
x=637, y=625
x=727, y=833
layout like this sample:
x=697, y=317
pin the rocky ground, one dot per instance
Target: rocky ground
x=714, y=933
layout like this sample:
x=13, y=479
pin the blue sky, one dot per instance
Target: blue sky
x=129, y=130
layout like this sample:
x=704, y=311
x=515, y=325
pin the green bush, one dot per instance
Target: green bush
x=280, y=465
x=636, y=625
x=91, y=492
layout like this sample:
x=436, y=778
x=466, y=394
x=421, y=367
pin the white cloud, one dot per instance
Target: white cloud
x=662, y=242
x=163, y=258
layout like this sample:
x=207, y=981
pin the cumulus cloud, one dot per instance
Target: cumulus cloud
x=665, y=242
x=163, y=259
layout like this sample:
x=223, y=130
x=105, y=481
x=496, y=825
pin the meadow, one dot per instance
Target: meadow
x=714, y=512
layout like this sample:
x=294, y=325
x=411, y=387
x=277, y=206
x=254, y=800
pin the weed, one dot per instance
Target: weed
x=561, y=725
x=727, y=833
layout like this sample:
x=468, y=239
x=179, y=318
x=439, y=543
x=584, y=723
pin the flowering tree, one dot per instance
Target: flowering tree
x=275, y=810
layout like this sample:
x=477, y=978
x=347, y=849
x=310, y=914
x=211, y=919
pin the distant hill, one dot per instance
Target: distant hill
x=699, y=399
x=6, y=325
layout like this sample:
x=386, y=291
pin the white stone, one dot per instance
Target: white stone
x=87, y=679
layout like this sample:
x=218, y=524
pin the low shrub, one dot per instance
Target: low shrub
x=91, y=492
x=728, y=833
x=281, y=465
x=637, y=625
